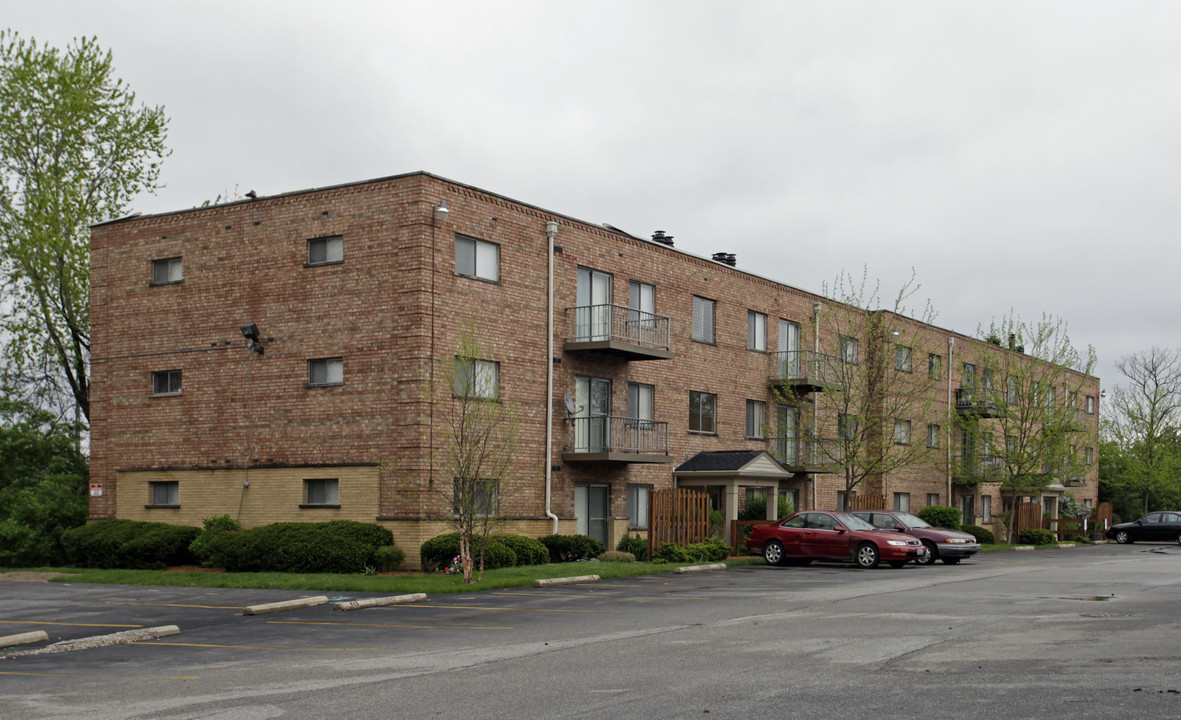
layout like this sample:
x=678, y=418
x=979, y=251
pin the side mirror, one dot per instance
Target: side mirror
x=839, y=528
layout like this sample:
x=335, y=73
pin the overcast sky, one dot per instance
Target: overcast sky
x=1017, y=155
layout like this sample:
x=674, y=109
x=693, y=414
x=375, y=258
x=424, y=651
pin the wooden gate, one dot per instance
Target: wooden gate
x=679, y=516
x=1102, y=518
x=869, y=502
x=1029, y=515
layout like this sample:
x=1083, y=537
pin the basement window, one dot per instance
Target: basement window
x=163, y=494
x=321, y=492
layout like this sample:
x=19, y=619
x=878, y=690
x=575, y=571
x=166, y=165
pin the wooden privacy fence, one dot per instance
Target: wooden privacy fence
x=679, y=516
x=1028, y=515
x=869, y=502
x=1064, y=528
x=740, y=531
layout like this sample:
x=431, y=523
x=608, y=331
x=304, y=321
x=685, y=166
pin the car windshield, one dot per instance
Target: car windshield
x=912, y=520
x=852, y=521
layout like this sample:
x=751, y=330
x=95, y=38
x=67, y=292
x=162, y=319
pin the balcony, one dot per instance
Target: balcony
x=616, y=440
x=972, y=468
x=617, y=330
x=804, y=370
x=976, y=401
x=807, y=454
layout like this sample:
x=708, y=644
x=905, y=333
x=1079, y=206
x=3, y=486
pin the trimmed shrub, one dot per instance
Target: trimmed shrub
x=496, y=555
x=635, y=545
x=529, y=550
x=129, y=544
x=617, y=556
x=439, y=551
x=389, y=558
x=710, y=549
x=1036, y=536
x=568, y=548
x=201, y=547
x=942, y=516
x=671, y=553
x=982, y=535
x=339, y=546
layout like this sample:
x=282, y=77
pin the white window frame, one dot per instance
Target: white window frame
x=638, y=497
x=756, y=419
x=902, y=358
x=167, y=271
x=934, y=432
x=1090, y=405
x=326, y=250
x=704, y=317
x=932, y=499
x=164, y=493
x=477, y=258
x=170, y=380
x=324, y=372
x=934, y=366
x=901, y=432
x=902, y=501
x=321, y=492
x=703, y=400
x=986, y=508
x=849, y=346
x=756, y=331
x=475, y=378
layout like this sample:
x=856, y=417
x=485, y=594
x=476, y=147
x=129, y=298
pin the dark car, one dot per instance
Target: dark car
x=1153, y=527
x=950, y=546
x=838, y=536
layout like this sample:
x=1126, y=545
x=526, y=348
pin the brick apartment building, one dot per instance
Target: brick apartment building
x=668, y=369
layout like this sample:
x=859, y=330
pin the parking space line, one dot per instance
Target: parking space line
x=104, y=677
x=41, y=622
x=394, y=625
x=511, y=609
x=202, y=607
x=254, y=647
x=600, y=594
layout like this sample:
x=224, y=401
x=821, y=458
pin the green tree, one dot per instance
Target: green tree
x=75, y=149
x=42, y=485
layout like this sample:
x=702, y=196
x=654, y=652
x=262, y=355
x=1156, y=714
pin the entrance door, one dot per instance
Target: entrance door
x=591, y=507
x=594, y=305
x=789, y=349
x=967, y=507
x=591, y=422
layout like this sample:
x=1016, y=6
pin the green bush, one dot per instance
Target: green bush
x=635, y=545
x=201, y=547
x=672, y=553
x=440, y=551
x=496, y=554
x=617, y=556
x=708, y=550
x=1036, y=536
x=983, y=536
x=389, y=558
x=129, y=544
x=529, y=550
x=754, y=509
x=568, y=548
x=942, y=516
x=339, y=546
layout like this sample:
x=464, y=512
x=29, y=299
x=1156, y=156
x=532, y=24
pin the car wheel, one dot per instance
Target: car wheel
x=897, y=563
x=931, y=556
x=867, y=555
x=951, y=561
x=1122, y=537
x=1179, y=539
x=773, y=552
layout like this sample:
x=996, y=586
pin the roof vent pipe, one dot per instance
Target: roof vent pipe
x=725, y=258
x=661, y=238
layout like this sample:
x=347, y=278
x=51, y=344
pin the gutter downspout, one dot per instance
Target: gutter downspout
x=950, y=365
x=551, y=230
x=816, y=308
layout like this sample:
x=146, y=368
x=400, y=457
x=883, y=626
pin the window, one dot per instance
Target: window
x=756, y=331
x=756, y=419
x=1090, y=404
x=703, y=320
x=322, y=251
x=902, y=502
x=166, y=271
x=476, y=379
x=166, y=382
x=641, y=316
x=846, y=427
x=1089, y=456
x=842, y=496
x=1050, y=394
x=848, y=349
x=986, y=508
x=932, y=499
x=933, y=436
x=477, y=258
x=969, y=379
x=478, y=496
x=901, y=358
x=639, y=401
x=164, y=494
x=637, y=505
x=702, y=412
x=323, y=492
x=326, y=371
x=1072, y=399
x=1011, y=391
x=901, y=432
x=934, y=366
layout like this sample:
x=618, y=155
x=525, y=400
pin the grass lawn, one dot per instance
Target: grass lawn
x=387, y=584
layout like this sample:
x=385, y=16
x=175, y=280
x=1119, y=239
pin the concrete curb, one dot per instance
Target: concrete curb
x=24, y=638
x=285, y=605
x=1066, y=545
x=699, y=568
x=119, y=638
x=551, y=582
x=1024, y=547
x=379, y=602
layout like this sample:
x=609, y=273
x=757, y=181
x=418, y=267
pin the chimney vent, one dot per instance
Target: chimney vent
x=726, y=258
x=661, y=238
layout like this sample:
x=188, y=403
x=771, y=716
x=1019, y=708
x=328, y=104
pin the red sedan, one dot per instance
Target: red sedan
x=837, y=536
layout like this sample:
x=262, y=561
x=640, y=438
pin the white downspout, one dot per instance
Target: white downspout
x=551, y=230
x=950, y=410
x=816, y=308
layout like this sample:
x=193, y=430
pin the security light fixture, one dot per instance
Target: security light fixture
x=250, y=332
x=441, y=211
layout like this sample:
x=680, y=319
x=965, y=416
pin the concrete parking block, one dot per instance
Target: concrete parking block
x=285, y=605
x=700, y=568
x=1066, y=545
x=576, y=580
x=95, y=641
x=379, y=602
x=24, y=638
x=1024, y=547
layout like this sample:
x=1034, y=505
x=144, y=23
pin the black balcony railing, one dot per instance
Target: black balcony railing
x=979, y=467
x=976, y=401
x=804, y=368
x=606, y=323
x=807, y=454
x=603, y=436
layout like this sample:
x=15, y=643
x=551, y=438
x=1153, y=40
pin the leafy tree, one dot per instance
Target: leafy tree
x=42, y=485
x=1026, y=431
x=872, y=406
x=74, y=150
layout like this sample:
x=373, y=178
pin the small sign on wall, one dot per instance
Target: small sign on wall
x=96, y=489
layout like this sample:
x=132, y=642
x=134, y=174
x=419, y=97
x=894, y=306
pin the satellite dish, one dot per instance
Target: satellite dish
x=571, y=408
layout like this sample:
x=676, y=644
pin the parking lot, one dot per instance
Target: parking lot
x=1051, y=633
